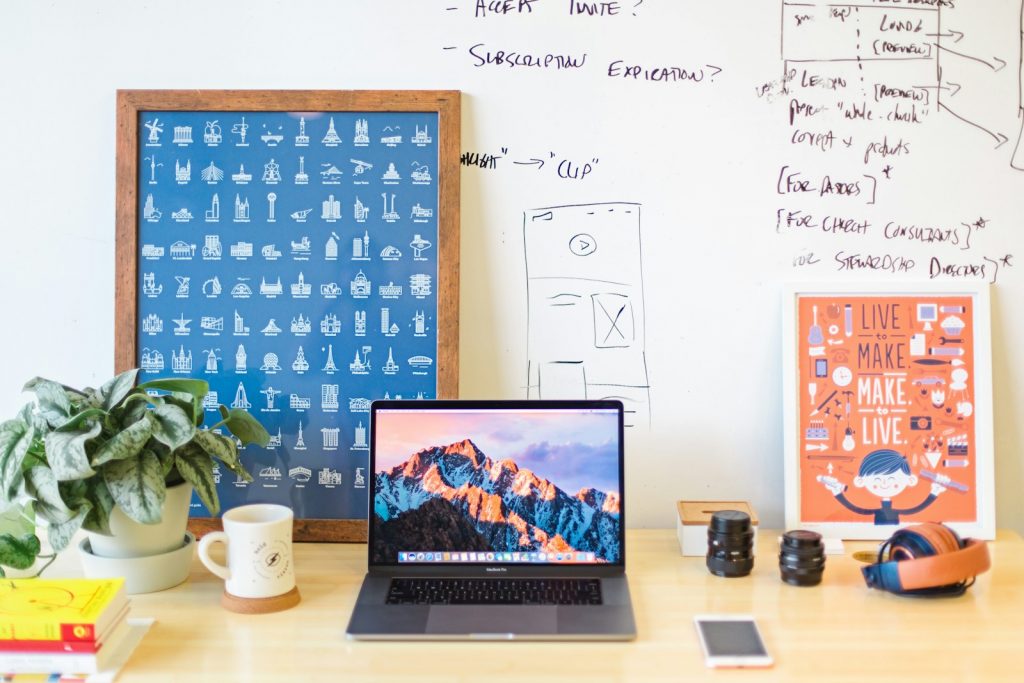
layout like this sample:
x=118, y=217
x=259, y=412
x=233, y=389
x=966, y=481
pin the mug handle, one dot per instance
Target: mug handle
x=204, y=553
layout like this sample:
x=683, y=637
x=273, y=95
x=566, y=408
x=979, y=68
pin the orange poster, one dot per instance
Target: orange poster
x=886, y=401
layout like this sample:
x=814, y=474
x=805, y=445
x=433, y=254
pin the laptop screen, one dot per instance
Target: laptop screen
x=527, y=482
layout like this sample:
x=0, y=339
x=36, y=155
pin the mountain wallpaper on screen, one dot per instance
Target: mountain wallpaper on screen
x=456, y=498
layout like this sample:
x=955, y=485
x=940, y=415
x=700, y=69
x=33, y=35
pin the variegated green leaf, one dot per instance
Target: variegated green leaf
x=117, y=388
x=54, y=405
x=42, y=485
x=245, y=427
x=19, y=553
x=224, y=449
x=15, y=439
x=137, y=485
x=65, y=451
x=196, y=467
x=171, y=426
x=60, y=534
x=187, y=403
x=98, y=518
x=126, y=443
x=132, y=410
x=31, y=416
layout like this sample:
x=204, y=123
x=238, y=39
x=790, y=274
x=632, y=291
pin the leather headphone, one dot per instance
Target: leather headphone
x=928, y=560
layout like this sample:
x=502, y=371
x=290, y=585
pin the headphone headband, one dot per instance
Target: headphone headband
x=928, y=557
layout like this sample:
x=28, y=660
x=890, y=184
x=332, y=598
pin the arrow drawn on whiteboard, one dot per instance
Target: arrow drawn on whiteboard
x=990, y=65
x=955, y=35
x=953, y=88
x=998, y=137
x=539, y=163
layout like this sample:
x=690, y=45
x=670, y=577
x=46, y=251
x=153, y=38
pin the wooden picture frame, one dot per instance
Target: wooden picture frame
x=307, y=128
x=887, y=392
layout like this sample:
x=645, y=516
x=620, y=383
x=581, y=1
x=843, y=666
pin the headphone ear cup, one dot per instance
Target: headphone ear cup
x=941, y=538
x=911, y=543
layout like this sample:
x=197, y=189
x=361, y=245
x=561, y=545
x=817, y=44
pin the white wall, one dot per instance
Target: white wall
x=702, y=160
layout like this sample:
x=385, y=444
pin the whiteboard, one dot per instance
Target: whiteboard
x=758, y=143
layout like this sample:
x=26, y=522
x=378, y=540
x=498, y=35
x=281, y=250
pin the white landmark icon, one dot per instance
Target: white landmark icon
x=183, y=136
x=329, y=367
x=359, y=480
x=331, y=175
x=359, y=405
x=240, y=129
x=271, y=200
x=152, y=324
x=300, y=216
x=419, y=285
x=362, y=136
x=390, y=291
x=241, y=178
x=390, y=215
x=241, y=329
x=271, y=393
x=302, y=140
x=241, y=400
x=300, y=364
x=360, y=286
x=420, y=173
x=149, y=211
x=182, y=174
x=153, y=165
x=183, y=286
x=420, y=214
x=301, y=249
x=328, y=477
x=330, y=290
x=240, y=361
x=182, y=215
x=298, y=403
x=269, y=290
x=361, y=247
x=361, y=366
x=211, y=326
x=301, y=289
x=301, y=326
x=241, y=209
x=211, y=360
x=211, y=175
x=300, y=445
x=151, y=360
x=387, y=327
x=331, y=139
x=421, y=138
x=360, y=211
x=241, y=250
x=419, y=245
x=331, y=247
x=213, y=213
x=271, y=330
x=211, y=401
x=212, y=287
x=361, y=167
x=181, y=361
x=390, y=367
x=272, y=139
x=211, y=134
x=270, y=252
x=154, y=128
x=391, y=175
x=331, y=209
x=271, y=172
x=301, y=178
x=330, y=326
x=391, y=136
x=330, y=435
x=419, y=324
x=270, y=364
x=151, y=252
x=329, y=398
x=300, y=474
x=241, y=290
x=149, y=286
x=212, y=249
x=359, y=434
x=182, y=251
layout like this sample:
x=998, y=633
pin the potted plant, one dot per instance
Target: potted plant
x=109, y=460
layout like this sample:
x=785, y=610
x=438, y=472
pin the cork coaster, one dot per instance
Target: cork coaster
x=276, y=603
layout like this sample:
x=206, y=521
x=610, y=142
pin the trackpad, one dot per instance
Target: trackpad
x=492, y=620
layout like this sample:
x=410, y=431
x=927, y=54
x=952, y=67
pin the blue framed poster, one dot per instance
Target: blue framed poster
x=301, y=260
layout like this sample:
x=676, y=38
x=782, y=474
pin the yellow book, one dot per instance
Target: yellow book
x=59, y=609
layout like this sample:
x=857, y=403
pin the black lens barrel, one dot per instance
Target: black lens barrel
x=801, y=558
x=730, y=544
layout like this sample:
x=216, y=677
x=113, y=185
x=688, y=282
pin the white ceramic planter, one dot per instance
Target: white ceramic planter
x=131, y=539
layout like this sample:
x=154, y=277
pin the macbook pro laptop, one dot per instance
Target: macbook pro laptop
x=495, y=520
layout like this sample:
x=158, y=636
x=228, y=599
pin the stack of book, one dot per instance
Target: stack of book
x=64, y=626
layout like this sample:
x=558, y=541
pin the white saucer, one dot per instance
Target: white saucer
x=142, y=574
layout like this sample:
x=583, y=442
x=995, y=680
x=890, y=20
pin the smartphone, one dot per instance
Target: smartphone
x=731, y=640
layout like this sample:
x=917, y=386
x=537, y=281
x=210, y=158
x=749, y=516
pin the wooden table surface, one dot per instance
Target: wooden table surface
x=837, y=631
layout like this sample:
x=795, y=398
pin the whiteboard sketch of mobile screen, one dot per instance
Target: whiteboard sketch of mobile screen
x=731, y=640
x=613, y=321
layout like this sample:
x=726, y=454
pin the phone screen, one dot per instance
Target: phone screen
x=732, y=638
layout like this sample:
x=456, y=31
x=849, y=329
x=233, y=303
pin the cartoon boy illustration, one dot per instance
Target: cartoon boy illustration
x=886, y=474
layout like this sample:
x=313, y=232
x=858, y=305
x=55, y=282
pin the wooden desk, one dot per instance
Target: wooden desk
x=838, y=631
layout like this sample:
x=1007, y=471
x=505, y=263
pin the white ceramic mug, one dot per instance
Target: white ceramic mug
x=259, y=551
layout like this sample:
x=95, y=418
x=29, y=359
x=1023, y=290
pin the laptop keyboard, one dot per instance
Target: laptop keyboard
x=494, y=592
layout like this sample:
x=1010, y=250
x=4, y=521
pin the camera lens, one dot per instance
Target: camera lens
x=730, y=544
x=801, y=558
